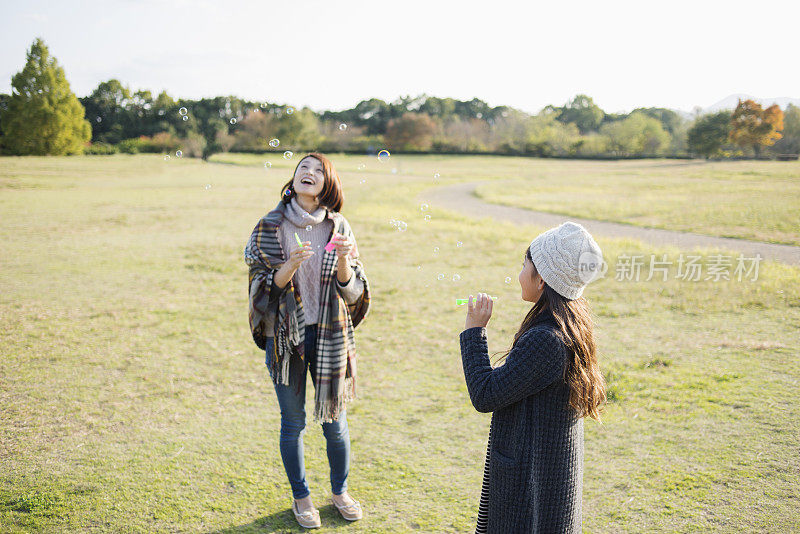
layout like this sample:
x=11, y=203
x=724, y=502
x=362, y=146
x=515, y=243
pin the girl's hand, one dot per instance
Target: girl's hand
x=479, y=312
x=299, y=255
x=344, y=246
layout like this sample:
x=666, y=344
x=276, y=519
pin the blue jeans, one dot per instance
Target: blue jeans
x=293, y=423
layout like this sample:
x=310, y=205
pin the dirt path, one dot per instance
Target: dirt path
x=462, y=198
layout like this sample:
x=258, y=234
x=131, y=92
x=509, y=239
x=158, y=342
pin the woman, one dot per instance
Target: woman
x=549, y=381
x=306, y=297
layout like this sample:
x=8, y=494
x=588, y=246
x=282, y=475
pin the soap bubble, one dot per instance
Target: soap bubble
x=402, y=226
x=423, y=207
x=99, y=119
x=183, y=111
x=233, y=120
x=392, y=222
x=274, y=143
x=419, y=267
x=383, y=155
x=342, y=127
x=288, y=154
x=394, y=171
x=179, y=153
x=363, y=181
x=427, y=218
x=361, y=167
x=186, y=117
x=289, y=110
x=459, y=244
x=508, y=279
x=435, y=250
x=436, y=176
x=267, y=165
x=166, y=157
x=263, y=105
x=208, y=186
x=440, y=276
x=456, y=277
x=309, y=228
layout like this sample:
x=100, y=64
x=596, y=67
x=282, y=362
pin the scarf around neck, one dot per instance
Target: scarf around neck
x=300, y=217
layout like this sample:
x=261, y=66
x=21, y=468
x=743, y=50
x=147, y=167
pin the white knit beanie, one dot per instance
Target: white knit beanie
x=567, y=258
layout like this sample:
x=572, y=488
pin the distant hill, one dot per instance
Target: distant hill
x=730, y=102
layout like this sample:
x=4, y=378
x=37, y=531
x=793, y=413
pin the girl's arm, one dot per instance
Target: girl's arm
x=535, y=362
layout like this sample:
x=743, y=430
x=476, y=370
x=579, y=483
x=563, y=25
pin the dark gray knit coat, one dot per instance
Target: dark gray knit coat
x=536, y=458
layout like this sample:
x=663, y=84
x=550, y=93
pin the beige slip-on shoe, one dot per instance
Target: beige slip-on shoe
x=351, y=512
x=307, y=519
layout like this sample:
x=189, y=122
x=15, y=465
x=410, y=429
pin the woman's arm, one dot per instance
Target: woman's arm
x=343, y=270
x=290, y=266
x=535, y=362
x=349, y=286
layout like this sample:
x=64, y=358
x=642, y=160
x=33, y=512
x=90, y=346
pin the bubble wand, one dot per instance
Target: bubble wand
x=461, y=302
x=329, y=247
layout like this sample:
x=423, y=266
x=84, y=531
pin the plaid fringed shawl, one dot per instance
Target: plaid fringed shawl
x=336, y=349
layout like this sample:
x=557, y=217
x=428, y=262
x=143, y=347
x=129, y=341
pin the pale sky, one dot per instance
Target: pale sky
x=330, y=55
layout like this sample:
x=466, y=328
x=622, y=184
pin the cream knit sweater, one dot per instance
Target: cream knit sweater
x=316, y=228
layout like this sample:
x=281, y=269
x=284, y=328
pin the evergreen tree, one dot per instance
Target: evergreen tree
x=709, y=133
x=44, y=116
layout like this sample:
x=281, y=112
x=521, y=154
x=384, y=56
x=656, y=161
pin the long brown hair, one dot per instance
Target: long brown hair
x=331, y=196
x=587, y=387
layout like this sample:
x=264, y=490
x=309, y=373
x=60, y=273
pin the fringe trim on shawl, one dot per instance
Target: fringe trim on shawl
x=329, y=410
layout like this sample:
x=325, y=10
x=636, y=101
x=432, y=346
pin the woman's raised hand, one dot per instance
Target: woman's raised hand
x=479, y=311
x=299, y=255
x=344, y=246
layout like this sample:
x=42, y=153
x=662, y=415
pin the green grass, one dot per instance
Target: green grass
x=134, y=400
x=749, y=200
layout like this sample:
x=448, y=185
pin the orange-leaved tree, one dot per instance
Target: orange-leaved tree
x=412, y=131
x=756, y=127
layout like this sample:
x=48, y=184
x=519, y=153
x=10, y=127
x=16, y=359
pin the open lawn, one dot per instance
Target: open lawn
x=750, y=200
x=134, y=400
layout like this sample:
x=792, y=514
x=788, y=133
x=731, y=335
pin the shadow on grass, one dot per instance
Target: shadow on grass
x=284, y=521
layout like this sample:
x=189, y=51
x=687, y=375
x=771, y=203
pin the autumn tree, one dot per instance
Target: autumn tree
x=254, y=129
x=790, y=142
x=755, y=127
x=44, y=116
x=412, y=131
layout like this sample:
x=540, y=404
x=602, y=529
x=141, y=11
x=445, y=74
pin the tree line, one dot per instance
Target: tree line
x=43, y=116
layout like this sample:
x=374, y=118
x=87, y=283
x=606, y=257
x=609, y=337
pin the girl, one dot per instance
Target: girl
x=550, y=380
x=305, y=301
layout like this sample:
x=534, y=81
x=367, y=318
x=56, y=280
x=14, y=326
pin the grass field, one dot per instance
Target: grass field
x=133, y=398
x=752, y=200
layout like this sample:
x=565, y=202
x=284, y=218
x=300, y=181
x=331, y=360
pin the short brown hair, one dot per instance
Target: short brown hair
x=331, y=196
